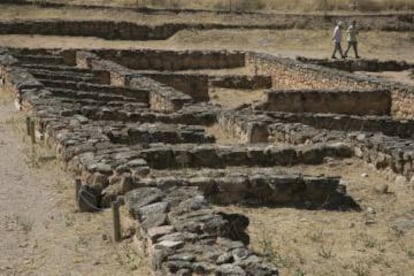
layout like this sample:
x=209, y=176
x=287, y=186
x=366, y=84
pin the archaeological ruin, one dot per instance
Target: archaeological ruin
x=131, y=125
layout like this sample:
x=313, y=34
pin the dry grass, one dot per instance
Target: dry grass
x=302, y=242
x=249, y=5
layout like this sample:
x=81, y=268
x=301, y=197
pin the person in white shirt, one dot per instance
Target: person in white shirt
x=337, y=38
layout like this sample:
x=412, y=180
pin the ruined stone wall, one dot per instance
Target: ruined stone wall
x=388, y=126
x=403, y=101
x=193, y=85
x=162, y=60
x=369, y=65
x=161, y=97
x=357, y=102
x=102, y=29
x=384, y=152
x=241, y=82
x=288, y=74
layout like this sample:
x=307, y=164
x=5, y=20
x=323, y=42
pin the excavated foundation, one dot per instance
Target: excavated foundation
x=132, y=124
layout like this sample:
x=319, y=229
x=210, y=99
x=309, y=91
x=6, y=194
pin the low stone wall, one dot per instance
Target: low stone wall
x=369, y=65
x=357, y=102
x=157, y=133
x=163, y=60
x=289, y=74
x=245, y=125
x=183, y=235
x=241, y=82
x=138, y=95
x=384, y=152
x=385, y=124
x=298, y=134
x=93, y=76
x=101, y=29
x=256, y=126
x=258, y=189
x=162, y=97
x=403, y=101
x=220, y=156
x=196, y=86
x=198, y=114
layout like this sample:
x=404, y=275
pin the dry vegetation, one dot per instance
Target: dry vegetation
x=304, y=242
x=41, y=232
x=299, y=242
x=249, y=5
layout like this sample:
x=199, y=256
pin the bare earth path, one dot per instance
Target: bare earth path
x=41, y=234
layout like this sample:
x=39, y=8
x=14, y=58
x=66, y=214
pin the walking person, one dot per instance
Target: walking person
x=352, y=33
x=337, y=38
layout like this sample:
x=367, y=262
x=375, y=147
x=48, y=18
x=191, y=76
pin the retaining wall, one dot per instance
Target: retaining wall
x=369, y=65
x=174, y=60
x=357, y=102
x=289, y=74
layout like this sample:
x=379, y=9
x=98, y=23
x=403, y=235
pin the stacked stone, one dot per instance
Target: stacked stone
x=184, y=236
x=161, y=97
x=287, y=73
x=197, y=114
x=241, y=82
x=369, y=65
x=157, y=132
x=352, y=102
x=260, y=188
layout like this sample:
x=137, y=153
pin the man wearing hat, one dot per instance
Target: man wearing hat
x=352, y=33
x=337, y=38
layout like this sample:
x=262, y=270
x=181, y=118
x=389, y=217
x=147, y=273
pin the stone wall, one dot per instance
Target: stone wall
x=162, y=60
x=161, y=97
x=290, y=74
x=384, y=152
x=241, y=82
x=369, y=65
x=258, y=189
x=196, y=86
x=102, y=29
x=357, y=102
x=184, y=235
x=402, y=128
x=403, y=101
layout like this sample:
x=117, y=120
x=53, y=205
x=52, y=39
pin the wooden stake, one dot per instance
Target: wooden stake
x=32, y=131
x=116, y=218
x=28, y=126
x=78, y=184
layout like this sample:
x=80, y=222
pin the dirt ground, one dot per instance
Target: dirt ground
x=314, y=42
x=288, y=43
x=303, y=242
x=41, y=234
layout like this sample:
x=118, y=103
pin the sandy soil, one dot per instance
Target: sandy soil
x=41, y=234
